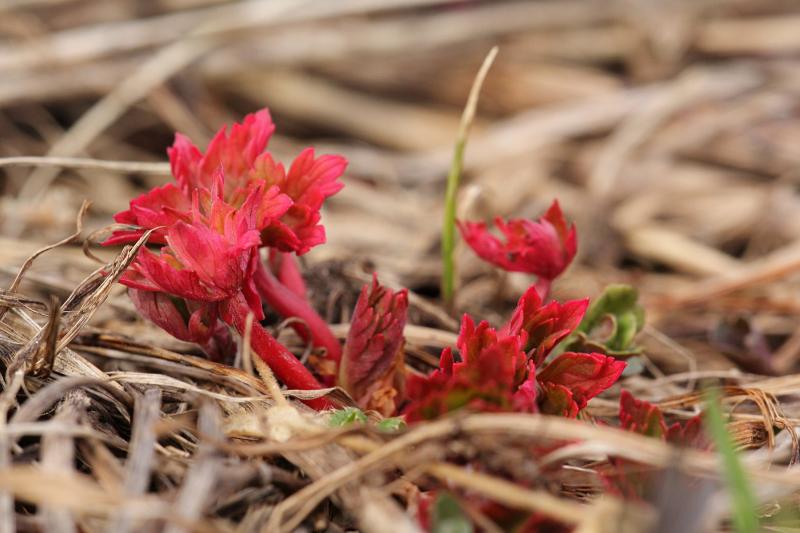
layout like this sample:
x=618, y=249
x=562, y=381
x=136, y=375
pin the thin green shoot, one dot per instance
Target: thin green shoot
x=453, y=179
x=743, y=502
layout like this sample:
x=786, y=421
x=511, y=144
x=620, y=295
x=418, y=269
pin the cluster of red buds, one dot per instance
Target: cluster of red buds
x=223, y=241
x=506, y=369
x=206, y=271
x=209, y=227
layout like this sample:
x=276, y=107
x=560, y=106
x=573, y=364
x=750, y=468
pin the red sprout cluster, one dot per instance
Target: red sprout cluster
x=205, y=272
x=209, y=225
x=223, y=241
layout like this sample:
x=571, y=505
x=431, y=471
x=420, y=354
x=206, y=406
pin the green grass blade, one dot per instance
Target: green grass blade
x=453, y=178
x=448, y=517
x=744, y=504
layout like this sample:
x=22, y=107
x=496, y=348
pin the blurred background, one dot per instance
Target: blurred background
x=669, y=131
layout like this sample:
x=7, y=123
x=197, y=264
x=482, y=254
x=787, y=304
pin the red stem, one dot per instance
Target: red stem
x=283, y=363
x=289, y=304
x=284, y=265
x=543, y=288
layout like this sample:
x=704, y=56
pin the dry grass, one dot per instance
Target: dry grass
x=666, y=129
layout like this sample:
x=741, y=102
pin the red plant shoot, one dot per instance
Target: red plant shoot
x=645, y=418
x=284, y=266
x=506, y=370
x=289, y=218
x=372, y=368
x=545, y=325
x=209, y=263
x=544, y=247
x=624, y=477
x=287, y=302
x=226, y=204
x=491, y=376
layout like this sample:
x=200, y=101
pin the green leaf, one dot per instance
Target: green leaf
x=744, y=505
x=628, y=326
x=448, y=517
x=390, y=425
x=611, y=322
x=347, y=416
